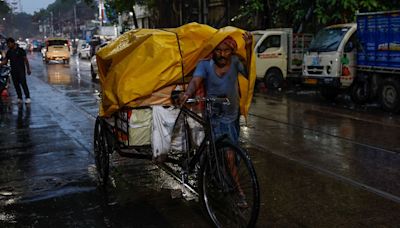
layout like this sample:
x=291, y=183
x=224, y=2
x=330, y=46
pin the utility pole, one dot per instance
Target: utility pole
x=75, y=27
x=51, y=24
x=60, y=28
x=205, y=12
x=101, y=12
x=199, y=9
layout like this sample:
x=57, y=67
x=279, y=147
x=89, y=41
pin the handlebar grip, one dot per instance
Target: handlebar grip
x=191, y=100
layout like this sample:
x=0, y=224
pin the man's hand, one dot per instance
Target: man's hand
x=28, y=71
x=183, y=98
x=248, y=39
x=3, y=62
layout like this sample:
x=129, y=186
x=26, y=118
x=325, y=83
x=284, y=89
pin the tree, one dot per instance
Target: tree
x=249, y=12
x=300, y=15
x=22, y=27
x=60, y=15
x=114, y=7
x=324, y=12
x=4, y=9
x=311, y=14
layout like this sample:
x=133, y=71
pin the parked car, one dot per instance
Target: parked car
x=22, y=44
x=84, y=51
x=94, y=70
x=43, y=51
x=36, y=45
x=57, y=49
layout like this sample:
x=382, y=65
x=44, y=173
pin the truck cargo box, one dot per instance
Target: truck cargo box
x=379, y=40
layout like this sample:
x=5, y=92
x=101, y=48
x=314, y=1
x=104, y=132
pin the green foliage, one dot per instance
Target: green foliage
x=18, y=26
x=260, y=14
x=314, y=13
x=114, y=7
x=4, y=9
x=62, y=10
x=248, y=11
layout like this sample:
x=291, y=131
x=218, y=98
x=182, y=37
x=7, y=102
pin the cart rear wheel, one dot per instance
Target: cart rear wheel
x=101, y=154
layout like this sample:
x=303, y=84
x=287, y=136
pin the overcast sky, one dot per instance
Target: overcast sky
x=30, y=6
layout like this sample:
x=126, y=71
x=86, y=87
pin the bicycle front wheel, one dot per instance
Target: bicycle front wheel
x=229, y=188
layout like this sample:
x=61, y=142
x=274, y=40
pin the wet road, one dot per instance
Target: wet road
x=319, y=164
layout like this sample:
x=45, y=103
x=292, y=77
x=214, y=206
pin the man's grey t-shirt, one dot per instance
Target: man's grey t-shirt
x=222, y=86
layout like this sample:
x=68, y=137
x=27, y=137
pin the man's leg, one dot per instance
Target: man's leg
x=16, y=85
x=232, y=130
x=22, y=80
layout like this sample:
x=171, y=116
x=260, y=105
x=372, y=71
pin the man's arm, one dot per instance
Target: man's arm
x=5, y=60
x=28, y=68
x=248, y=39
x=192, y=87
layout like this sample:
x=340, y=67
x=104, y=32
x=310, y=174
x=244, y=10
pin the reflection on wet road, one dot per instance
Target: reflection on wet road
x=318, y=164
x=362, y=148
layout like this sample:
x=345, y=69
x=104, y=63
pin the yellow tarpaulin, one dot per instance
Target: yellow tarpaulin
x=143, y=61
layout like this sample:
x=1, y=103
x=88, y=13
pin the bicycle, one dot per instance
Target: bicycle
x=226, y=174
x=226, y=179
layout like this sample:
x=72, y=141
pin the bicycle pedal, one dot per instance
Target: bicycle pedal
x=184, y=177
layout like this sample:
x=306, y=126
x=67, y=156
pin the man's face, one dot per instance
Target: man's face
x=222, y=54
x=10, y=44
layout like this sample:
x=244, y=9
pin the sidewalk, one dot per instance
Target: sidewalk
x=44, y=159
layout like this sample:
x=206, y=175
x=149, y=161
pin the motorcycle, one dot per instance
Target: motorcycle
x=4, y=79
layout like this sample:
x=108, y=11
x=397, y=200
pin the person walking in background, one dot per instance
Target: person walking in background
x=18, y=62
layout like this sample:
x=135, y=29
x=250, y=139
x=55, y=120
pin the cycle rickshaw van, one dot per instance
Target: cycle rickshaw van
x=139, y=72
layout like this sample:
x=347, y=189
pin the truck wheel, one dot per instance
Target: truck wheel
x=360, y=92
x=329, y=93
x=273, y=79
x=390, y=95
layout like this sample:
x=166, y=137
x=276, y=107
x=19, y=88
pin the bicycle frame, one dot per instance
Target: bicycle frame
x=209, y=138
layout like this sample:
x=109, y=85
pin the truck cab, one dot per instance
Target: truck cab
x=360, y=58
x=330, y=62
x=279, y=55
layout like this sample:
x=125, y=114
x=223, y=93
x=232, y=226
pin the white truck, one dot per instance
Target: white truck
x=361, y=58
x=279, y=55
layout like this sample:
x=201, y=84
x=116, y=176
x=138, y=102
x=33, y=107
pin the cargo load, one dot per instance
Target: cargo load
x=145, y=63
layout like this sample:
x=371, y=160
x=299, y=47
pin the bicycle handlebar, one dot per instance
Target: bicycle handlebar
x=220, y=100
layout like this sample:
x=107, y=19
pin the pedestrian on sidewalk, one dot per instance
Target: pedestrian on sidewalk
x=18, y=61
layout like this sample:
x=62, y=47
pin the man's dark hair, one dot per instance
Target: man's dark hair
x=10, y=40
